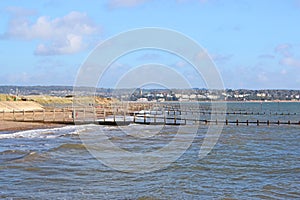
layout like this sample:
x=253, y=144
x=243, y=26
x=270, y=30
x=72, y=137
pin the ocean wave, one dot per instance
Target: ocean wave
x=69, y=146
x=48, y=133
x=20, y=156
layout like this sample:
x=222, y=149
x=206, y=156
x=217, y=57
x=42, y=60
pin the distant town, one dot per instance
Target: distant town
x=159, y=95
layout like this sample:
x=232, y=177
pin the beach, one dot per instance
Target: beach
x=20, y=126
x=23, y=111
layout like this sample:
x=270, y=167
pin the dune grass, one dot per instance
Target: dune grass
x=49, y=100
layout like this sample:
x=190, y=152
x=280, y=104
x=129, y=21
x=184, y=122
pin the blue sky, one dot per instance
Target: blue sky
x=255, y=44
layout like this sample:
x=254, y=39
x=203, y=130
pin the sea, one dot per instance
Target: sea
x=245, y=162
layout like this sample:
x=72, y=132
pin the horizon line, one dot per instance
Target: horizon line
x=194, y=88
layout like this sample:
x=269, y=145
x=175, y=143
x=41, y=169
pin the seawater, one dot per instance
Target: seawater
x=247, y=162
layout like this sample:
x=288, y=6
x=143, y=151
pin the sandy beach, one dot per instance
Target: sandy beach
x=16, y=116
x=20, y=126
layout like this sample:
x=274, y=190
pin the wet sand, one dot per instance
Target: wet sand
x=20, y=126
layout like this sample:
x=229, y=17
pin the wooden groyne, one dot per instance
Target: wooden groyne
x=148, y=114
x=54, y=115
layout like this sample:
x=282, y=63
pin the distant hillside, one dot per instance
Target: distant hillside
x=36, y=90
x=59, y=91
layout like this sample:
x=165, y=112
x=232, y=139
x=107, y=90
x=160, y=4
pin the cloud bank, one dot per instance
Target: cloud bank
x=62, y=35
x=124, y=3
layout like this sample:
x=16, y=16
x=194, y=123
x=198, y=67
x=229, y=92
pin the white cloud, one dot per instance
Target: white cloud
x=186, y=1
x=72, y=44
x=266, y=56
x=125, y=3
x=284, y=49
x=220, y=57
x=150, y=56
x=290, y=61
x=20, y=12
x=283, y=72
x=133, y=3
x=262, y=77
x=61, y=35
x=181, y=64
x=287, y=55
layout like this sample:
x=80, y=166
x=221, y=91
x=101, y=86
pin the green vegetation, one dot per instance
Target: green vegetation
x=5, y=97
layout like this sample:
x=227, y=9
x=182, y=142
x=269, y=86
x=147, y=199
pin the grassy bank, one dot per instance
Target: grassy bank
x=53, y=100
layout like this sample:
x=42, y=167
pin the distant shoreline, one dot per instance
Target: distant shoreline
x=220, y=101
x=263, y=101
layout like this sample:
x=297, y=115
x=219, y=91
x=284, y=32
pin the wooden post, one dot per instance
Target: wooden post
x=84, y=114
x=247, y=123
x=278, y=122
x=73, y=114
x=237, y=122
x=226, y=122
x=104, y=115
x=114, y=115
x=257, y=122
x=268, y=122
x=124, y=113
x=53, y=115
x=174, y=119
x=44, y=114
x=289, y=122
x=133, y=116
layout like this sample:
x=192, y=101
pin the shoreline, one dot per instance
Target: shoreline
x=7, y=123
x=23, y=126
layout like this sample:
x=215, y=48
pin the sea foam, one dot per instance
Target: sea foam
x=47, y=133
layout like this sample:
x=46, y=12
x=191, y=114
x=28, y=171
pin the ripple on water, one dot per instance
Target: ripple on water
x=247, y=162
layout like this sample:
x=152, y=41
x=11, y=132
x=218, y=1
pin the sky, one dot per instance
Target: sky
x=255, y=44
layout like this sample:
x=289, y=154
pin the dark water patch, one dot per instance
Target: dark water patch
x=10, y=155
x=32, y=169
x=74, y=146
x=30, y=157
x=6, y=132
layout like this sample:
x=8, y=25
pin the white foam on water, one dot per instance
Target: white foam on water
x=47, y=133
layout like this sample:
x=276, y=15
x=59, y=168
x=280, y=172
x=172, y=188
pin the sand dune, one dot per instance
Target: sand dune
x=9, y=106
